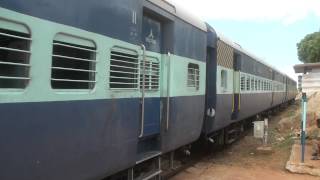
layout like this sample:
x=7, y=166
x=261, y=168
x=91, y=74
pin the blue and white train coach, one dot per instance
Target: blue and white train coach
x=92, y=88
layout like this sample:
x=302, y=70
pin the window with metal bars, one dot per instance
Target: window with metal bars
x=255, y=84
x=252, y=83
x=248, y=83
x=150, y=69
x=73, y=66
x=14, y=59
x=193, y=76
x=243, y=82
x=124, y=69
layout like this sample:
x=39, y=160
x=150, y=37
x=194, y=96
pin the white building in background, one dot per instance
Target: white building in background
x=310, y=81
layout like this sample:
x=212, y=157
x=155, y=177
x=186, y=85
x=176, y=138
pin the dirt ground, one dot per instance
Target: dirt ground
x=241, y=160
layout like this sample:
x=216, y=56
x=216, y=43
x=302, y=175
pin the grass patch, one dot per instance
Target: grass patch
x=286, y=143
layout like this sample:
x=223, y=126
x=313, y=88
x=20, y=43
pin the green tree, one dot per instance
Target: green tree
x=309, y=48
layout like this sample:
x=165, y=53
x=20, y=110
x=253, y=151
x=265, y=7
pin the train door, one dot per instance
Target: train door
x=236, y=86
x=150, y=68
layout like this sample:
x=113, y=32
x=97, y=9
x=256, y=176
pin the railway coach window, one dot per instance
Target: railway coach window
x=193, y=76
x=248, y=83
x=255, y=84
x=73, y=65
x=151, y=74
x=224, y=79
x=124, y=69
x=243, y=82
x=267, y=87
x=14, y=59
x=252, y=84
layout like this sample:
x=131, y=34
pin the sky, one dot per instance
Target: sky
x=270, y=29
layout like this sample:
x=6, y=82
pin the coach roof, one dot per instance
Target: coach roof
x=240, y=49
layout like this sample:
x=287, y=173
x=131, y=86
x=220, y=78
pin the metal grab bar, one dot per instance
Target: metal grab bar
x=168, y=92
x=143, y=90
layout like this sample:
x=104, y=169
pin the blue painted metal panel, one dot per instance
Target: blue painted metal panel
x=112, y=18
x=67, y=140
x=185, y=122
x=223, y=112
x=211, y=90
x=247, y=108
x=152, y=117
x=250, y=108
x=108, y=17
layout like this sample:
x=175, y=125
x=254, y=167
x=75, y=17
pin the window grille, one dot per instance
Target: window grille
x=256, y=84
x=14, y=59
x=124, y=69
x=243, y=83
x=193, y=76
x=248, y=83
x=265, y=86
x=252, y=83
x=270, y=85
x=152, y=74
x=73, y=66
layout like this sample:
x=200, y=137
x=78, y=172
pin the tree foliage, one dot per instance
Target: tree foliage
x=309, y=48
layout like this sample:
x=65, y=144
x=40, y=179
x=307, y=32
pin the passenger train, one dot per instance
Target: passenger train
x=89, y=89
